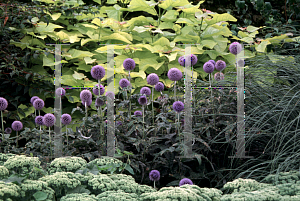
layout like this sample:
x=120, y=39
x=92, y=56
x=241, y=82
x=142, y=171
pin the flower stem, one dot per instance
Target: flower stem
x=175, y=90
x=50, y=144
x=129, y=112
x=143, y=122
x=152, y=105
x=2, y=126
x=17, y=139
x=67, y=135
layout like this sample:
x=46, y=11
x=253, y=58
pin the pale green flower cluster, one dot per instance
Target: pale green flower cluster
x=79, y=197
x=145, y=189
x=84, y=178
x=30, y=187
x=3, y=172
x=124, y=182
x=118, y=195
x=66, y=164
x=242, y=185
x=283, y=177
x=101, y=183
x=9, y=190
x=4, y=157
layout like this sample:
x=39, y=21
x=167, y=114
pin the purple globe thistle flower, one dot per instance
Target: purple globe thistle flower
x=119, y=123
x=178, y=106
x=143, y=100
x=39, y=120
x=185, y=181
x=33, y=99
x=96, y=90
x=99, y=102
x=181, y=60
x=85, y=95
x=159, y=86
x=98, y=72
x=8, y=130
x=145, y=90
x=154, y=175
x=49, y=120
x=219, y=76
x=241, y=62
x=110, y=94
x=174, y=74
x=212, y=61
x=3, y=103
x=138, y=113
x=235, y=48
x=88, y=102
x=60, y=92
x=209, y=67
x=17, y=125
x=152, y=79
x=66, y=119
x=124, y=83
x=129, y=64
x=194, y=60
x=38, y=104
x=220, y=65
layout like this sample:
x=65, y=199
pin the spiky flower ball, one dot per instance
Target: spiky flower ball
x=49, y=120
x=145, y=90
x=124, y=83
x=143, y=100
x=208, y=67
x=17, y=125
x=88, y=102
x=154, y=175
x=194, y=60
x=66, y=119
x=159, y=86
x=60, y=92
x=98, y=72
x=152, y=79
x=33, y=99
x=220, y=65
x=3, y=103
x=219, y=76
x=96, y=89
x=129, y=64
x=39, y=120
x=181, y=60
x=8, y=130
x=138, y=113
x=235, y=48
x=85, y=95
x=174, y=74
x=38, y=104
x=212, y=61
x=185, y=181
x=178, y=106
x=99, y=102
x=110, y=94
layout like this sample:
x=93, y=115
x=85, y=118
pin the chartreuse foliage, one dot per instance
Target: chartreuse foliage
x=152, y=47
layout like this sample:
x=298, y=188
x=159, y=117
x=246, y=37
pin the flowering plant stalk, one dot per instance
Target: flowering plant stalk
x=99, y=108
x=129, y=111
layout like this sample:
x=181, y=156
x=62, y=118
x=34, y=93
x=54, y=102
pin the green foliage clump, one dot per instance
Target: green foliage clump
x=105, y=161
x=118, y=195
x=101, y=183
x=3, y=172
x=78, y=197
x=30, y=188
x=243, y=185
x=290, y=189
x=66, y=164
x=124, y=182
x=4, y=157
x=20, y=164
x=283, y=178
x=206, y=193
x=9, y=191
x=145, y=189
x=84, y=178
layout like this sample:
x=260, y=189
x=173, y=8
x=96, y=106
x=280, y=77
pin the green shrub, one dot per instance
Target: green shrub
x=118, y=195
x=79, y=197
x=66, y=164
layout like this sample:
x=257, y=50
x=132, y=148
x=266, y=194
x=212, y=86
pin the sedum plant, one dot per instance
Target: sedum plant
x=9, y=191
x=66, y=164
x=117, y=195
x=4, y=173
x=79, y=197
x=36, y=190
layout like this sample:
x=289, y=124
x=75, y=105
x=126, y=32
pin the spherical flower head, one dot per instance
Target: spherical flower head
x=96, y=89
x=110, y=94
x=17, y=125
x=88, y=102
x=185, y=181
x=178, y=106
x=235, y=48
x=154, y=175
x=85, y=95
x=219, y=76
x=152, y=79
x=3, y=103
x=66, y=119
x=38, y=104
x=49, y=120
x=241, y=63
x=39, y=120
x=98, y=72
x=212, y=61
x=99, y=102
x=143, y=100
x=138, y=113
x=208, y=67
x=129, y=64
x=33, y=99
x=60, y=92
x=124, y=83
x=181, y=60
x=174, y=74
x=194, y=60
x=8, y=130
x=159, y=86
x=146, y=91
x=220, y=65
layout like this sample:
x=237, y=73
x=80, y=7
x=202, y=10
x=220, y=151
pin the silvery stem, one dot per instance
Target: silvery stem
x=67, y=135
x=154, y=184
x=85, y=111
x=143, y=121
x=129, y=113
x=99, y=86
x=2, y=127
x=17, y=139
x=50, y=143
x=210, y=85
x=40, y=134
x=152, y=105
x=175, y=90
